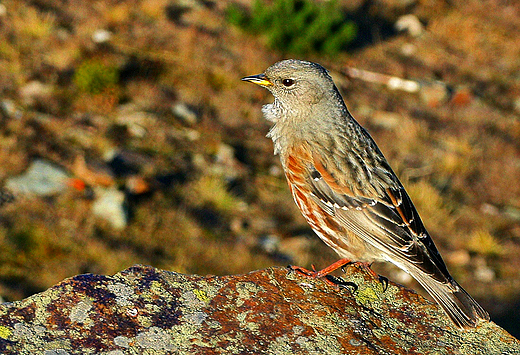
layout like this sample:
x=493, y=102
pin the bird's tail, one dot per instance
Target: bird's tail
x=463, y=310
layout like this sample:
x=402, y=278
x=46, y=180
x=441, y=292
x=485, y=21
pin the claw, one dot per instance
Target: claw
x=339, y=282
x=384, y=282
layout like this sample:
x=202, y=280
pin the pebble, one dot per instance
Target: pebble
x=42, y=178
x=109, y=206
x=512, y=212
x=34, y=90
x=8, y=109
x=411, y=24
x=136, y=122
x=483, y=272
x=101, y=36
x=181, y=111
x=269, y=243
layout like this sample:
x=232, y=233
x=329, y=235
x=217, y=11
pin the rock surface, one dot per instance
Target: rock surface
x=143, y=310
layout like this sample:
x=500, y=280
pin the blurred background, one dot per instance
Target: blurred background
x=126, y=135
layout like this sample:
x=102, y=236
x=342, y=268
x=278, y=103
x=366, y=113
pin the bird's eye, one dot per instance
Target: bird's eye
x=288, y=82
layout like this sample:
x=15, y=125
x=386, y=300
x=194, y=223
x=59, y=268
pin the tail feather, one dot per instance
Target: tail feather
x=463, y=310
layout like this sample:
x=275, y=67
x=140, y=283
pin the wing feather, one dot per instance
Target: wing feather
x=388, y=222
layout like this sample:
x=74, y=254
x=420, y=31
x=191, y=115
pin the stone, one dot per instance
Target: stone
x=42, y=178
x=143, y=310
x=109, y=206
x=102, y=36
x=181, y=111
x=35, y=91
x=411, y=24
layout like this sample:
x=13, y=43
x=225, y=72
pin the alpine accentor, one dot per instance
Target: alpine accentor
x=346, y=189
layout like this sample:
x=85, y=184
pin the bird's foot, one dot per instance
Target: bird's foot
x=340, y=264
x=324, y=272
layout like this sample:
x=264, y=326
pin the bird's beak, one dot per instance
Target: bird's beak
x=259, y=79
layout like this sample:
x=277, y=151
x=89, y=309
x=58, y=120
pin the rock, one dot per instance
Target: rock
x=269, y=243
x=102, y=36
x=512, y=212
x=143, y=310
x=123, y=162
x=490, y=209
x=138, y=123
x=461, y=96
x=181, y=111
x=109, y=206
x=226, y=164
x=275, y=170
x=8, y=109
x=485, y=274
x=35, y=91
x=42, y=178
x=411, y=24
x=91, y=175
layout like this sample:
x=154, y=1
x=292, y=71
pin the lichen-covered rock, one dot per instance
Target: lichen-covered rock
x=143, y=310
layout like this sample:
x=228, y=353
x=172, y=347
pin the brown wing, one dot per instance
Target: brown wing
x=388, y=222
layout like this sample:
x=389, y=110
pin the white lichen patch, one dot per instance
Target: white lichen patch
x=122, y=341
x=115, y=352
x=196, y=318
x=56, y=352
x=79, y=313
x=122, y=292
x=22, y=331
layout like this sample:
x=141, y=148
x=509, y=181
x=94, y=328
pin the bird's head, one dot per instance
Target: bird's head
x=295, y=82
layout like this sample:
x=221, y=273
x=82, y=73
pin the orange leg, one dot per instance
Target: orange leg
x=318, y=274
x=338, y=264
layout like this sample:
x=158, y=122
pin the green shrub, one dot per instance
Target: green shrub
x=93, y=77
x=297, y=26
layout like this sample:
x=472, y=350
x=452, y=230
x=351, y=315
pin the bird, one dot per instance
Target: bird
x=346, y=189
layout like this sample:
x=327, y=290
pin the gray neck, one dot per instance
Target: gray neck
x=318, y=122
